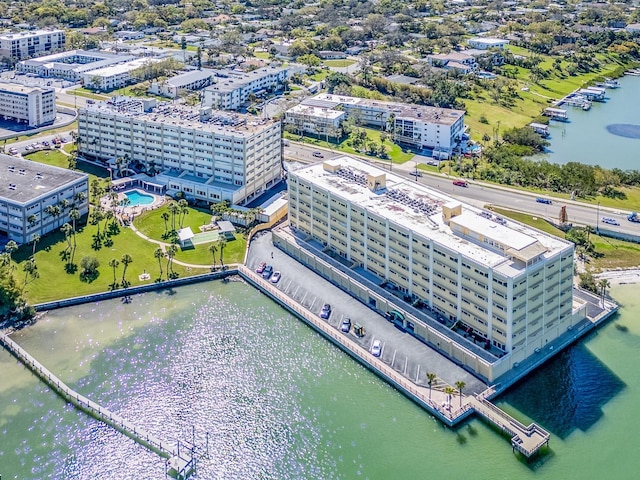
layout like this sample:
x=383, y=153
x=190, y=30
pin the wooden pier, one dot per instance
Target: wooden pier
x=526, y=440
x=181, y=457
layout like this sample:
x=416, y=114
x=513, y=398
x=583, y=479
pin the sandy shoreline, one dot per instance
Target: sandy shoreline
x=621, y=277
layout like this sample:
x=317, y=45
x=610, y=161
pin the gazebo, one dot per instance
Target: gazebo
x=184, y=236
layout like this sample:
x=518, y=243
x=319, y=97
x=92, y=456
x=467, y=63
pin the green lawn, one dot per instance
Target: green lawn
x=58, y=159
x=344, y=62
x=610, y=253
x=55, y=283
x=83, y=92
x=394, y=151
x=262, y=55
x=151, y=224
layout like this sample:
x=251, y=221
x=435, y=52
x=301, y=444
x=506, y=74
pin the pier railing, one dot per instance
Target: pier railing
x=183, y=458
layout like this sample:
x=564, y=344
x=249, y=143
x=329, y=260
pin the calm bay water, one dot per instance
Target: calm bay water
x=282, y=403
x=585, y=138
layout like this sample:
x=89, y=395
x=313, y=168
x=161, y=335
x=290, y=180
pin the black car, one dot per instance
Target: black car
x=345, y=326
x=266, y=273
x=326, y=311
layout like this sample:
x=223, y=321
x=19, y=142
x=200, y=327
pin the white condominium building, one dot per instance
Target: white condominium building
x=28, y=44
x=34, y=106
x=207, y=154
x=114, y=76
x=28, y=188
x=318, y=121
x=502, y=285
x=232, y=88
x=70, y=65
x=414, y=125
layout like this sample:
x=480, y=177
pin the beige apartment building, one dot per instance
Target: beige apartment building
x=504, y=285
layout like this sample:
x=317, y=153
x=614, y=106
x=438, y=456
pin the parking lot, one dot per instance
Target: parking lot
x=404, y=353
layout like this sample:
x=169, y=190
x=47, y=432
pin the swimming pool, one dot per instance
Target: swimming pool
x=137, y=198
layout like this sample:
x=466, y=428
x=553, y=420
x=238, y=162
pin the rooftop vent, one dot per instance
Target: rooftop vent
x=12, y=186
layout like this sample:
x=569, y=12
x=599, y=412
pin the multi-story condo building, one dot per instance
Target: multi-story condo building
x=195, y=80
x=28, y=188
x=70, y=65
x=505, y=286
x=206, y=154
x=113, y=76
x=232, y=88
x=34, y=106
x=318, y=121
x=28, y=44
x=417, y=126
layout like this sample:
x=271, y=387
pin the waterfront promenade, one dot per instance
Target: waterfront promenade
x=525, y=439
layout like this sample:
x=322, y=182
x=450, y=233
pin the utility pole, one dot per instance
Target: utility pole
x=598, y=218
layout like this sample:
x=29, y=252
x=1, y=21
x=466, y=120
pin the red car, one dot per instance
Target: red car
x=261, y=267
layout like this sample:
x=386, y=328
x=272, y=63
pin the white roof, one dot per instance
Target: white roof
x=185, y=234
x=112, y=70
x=419, y=208
x=317, y=112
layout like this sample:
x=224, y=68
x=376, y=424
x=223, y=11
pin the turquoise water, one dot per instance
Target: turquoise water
x=587, y=138
x=137, y=198
x=282, y=403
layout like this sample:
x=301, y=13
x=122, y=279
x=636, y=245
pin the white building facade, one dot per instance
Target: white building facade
x=19, y=46
x=501, y=285
x=231, y=89
x=28, y=188
x=208, y=155
x=34, y=106
x=413, y=125
x=111, y=77
x=70, y=65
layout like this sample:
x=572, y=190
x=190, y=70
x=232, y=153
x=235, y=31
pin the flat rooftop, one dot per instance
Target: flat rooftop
x=229, y=80
x=420, y=209
x=30, y=179
x=121, y=68
x=182, y=116
x=24, y=89
x=27, y=34
x=443, y=116
x=319, y=112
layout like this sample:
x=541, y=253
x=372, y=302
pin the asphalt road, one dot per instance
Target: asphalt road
x=485, y=194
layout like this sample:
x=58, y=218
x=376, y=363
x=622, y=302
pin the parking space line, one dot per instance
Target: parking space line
x=296, y=292
x=304, y=298
x=394, y=357
x=418, y=373
x=406, y=362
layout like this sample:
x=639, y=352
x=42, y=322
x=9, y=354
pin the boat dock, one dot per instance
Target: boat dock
x=182, y=457
x=556, y=114
x=526, y=440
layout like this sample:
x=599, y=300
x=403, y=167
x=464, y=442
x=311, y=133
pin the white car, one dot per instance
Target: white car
x=376, y=348
x=610, y=221
x=275, y=278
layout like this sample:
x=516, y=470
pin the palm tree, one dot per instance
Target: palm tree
x=460, y=385
x=11, y=247
x=183, y=207
x=449, y=390
x=430, y=379
x=79, y=197
x=35, y=238
x=113, y=263
x=603, y=284
x=171, y=252
x=213, y=249
x=74, y=215
x=159, y=255
x=222, y=242
x=173, y=210
x=67, y=230
x=126, y=260
x=32, y=220
x=165, y=217
x=30, y=270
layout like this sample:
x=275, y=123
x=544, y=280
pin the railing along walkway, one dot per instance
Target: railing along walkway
x=182, y=460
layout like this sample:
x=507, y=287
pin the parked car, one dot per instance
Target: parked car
x=460, y=183
x=325, y=312
x=544, y=200
x=610, y=221
x=28, y=148
x=345, y=326
x=376, y=348
x=276, y=277
x=318, y=154
x=415, y=173
x=13, y=151
x=260, y=268
x=266, y=273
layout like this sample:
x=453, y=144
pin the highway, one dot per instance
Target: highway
x=481, y=194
